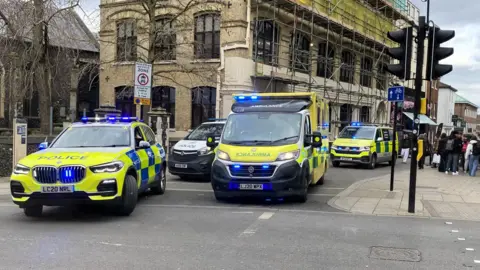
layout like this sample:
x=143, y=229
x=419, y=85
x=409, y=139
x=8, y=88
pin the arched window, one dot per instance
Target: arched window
x=300, y=52
x=347, y=69
x=203, y=104
x=366, y=71
x=124, y=100
x=345, y=115
x=365, y=114
x=265, y=46
x=164, y=96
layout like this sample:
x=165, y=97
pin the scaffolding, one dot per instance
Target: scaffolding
x=328, y=49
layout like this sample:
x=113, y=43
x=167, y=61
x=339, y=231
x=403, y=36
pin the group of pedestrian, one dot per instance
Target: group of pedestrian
x=457, y=151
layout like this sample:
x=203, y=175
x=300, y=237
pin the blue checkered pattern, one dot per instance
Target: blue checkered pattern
x=147, y=162
x=134, y=158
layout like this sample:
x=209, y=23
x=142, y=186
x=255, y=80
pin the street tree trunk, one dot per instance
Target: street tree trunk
x=40, y=65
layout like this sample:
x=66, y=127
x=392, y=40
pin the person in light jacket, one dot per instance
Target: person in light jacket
x=473, y=158
x=468, y=152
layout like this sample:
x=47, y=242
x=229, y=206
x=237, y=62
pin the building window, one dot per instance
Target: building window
x=346, y=112
x=365, y=114
x=207, y=36
x=347, y=69
x=300, y=52
x=203, y=104
x=265, y=47
x=164, y=96
x=126, y=41
x=124, y=100
x=366, y=68
x=325, y=62
x=165, y=39
x=381, y=77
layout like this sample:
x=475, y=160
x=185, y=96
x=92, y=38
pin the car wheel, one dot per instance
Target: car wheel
x=33, y=211
x=373, y=162
x=303, y=197
x=161, y=184
x=129, y=197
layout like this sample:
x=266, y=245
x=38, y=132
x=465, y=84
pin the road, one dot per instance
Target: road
x=182, y=192
x=202, y=237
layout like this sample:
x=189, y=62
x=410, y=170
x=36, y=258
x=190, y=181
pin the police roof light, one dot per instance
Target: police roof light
x=356, y=124
x=109, y=118
x=247, y=97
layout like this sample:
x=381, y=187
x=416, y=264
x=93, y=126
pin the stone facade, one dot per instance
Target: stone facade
x=233, y=70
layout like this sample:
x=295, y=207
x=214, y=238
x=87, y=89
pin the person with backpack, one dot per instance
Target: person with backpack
x=474, y=156
x=453, y=149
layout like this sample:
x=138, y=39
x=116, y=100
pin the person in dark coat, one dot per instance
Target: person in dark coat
x=442, y=143
x=454, y=150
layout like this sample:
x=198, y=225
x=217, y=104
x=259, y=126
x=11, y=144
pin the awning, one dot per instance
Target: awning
x=423, y=119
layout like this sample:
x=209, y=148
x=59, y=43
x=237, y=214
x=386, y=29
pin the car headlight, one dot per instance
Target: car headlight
x=107, y=167
x=21, y=169
x=334, y=147
x=222, y=155
x=288, y=155
x=365, y=148
x=205, y=151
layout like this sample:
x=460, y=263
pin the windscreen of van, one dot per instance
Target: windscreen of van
x=362, y=133
x=201, y=133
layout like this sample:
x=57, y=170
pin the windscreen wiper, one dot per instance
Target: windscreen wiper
x=284, y=139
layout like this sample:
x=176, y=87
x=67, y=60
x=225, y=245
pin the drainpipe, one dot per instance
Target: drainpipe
x=222, y=57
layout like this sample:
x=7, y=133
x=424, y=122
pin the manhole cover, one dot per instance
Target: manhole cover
x=395, y=254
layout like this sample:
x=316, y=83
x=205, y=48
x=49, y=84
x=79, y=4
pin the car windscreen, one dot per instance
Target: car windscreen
x=362, y=133
x=93, y=136
x=201, y=132
x=262, y=128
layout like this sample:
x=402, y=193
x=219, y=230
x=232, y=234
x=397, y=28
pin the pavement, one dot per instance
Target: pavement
x=438, y=196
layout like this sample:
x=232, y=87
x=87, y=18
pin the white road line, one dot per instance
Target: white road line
x=242, y=212
x=470, y=249
x=448, y=223
x=210, y=191
x=476, y=261
x=461, y=239
x=253, y=228
x=454, y=231
x=110, y=244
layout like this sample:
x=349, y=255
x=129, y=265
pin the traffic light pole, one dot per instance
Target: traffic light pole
x=418, y=96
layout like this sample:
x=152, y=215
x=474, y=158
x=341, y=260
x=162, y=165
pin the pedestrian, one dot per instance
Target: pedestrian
x=406, y=144
x=463, y=161
x=474, y=156
x=453, y=149
x=441, y=151
x=421, y=157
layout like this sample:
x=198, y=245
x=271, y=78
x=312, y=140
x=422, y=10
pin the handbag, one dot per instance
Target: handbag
x=436, y=158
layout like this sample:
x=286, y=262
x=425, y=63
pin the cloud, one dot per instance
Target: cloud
x=89, y=11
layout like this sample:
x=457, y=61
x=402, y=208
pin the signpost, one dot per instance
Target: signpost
x=143, y=85
x=395, y=94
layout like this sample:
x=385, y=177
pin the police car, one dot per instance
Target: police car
x=191, y=157
x=108, y=161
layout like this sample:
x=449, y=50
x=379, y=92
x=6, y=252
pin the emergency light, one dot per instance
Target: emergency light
x=109, y=119
x=356, y=124
x=248, y=97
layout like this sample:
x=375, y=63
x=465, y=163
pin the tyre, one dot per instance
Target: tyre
x=336, y=164
x=303, y=197
x=129, y=197
x=161, y=183
x=373, y=162
x=33, y=211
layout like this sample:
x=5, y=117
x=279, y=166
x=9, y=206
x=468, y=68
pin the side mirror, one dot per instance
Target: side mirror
x=211, y=141
x=43, y=145
x=317, y=139
x=189, y=131
x=143, y=145
x=380, y=139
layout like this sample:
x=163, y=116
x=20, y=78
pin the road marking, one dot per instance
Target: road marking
x=454, y=231
x=111, y=244
x=242, y=212
x=461, y=239
x=211, y=191
x=470, y=249
x=476, y=261
x=448, y=223
x=253, y=228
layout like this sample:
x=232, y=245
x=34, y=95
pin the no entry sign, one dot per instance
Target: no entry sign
x=143, y=83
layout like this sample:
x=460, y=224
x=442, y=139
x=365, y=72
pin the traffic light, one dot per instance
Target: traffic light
x=436, y=36
x=403, y=53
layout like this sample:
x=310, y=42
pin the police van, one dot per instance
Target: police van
x=271, y=147
x=191, y=157
x=106, y=161
x=366, y=144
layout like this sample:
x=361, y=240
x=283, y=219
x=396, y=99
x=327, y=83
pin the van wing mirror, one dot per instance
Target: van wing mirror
x=317, y=139
x=43, y=145
x=211, y=142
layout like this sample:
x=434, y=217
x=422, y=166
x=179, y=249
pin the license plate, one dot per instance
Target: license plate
x=251, y=186
x=57, y=189
x=345, y=158
x=183, y=166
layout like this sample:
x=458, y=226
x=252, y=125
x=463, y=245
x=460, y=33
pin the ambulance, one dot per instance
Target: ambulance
x=366, y=144
x=106, y=161
x=273, y=146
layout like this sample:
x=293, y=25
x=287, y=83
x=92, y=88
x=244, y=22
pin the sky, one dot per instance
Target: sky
x=447, y=14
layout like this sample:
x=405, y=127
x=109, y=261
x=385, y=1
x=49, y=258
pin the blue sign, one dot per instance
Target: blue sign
x=396, y=94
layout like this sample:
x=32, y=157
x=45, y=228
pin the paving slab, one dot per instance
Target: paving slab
x=438, y=195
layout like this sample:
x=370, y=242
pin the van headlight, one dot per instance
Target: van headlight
x=365, y=148
x=204, y=151
x=21, y=169
x=288, y=155
x=107, y=167
x=222, y=155
x=334, y=147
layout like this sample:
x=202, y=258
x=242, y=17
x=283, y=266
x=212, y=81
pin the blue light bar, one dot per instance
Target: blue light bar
x=356, y=124
x=109, y=119
x=247, y=97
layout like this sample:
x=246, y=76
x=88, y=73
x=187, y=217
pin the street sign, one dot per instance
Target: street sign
x=143, y=84
x=396, y=93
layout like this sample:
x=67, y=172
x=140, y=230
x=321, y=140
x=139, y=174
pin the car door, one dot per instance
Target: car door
x=143, y=156
x=308, y=148
x=156, y=152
